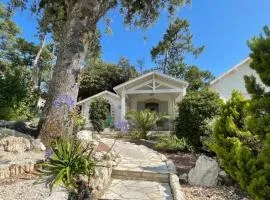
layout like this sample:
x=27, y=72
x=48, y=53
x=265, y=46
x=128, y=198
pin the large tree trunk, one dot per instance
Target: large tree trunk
x=35, y=73
x=81, y=22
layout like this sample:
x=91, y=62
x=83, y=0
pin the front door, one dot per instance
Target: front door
x=152, y=106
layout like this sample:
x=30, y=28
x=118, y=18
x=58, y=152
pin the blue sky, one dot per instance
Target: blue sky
x=223, y=26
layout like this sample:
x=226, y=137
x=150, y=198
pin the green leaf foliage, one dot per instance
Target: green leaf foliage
x=241, y=137
x=259, y=47
x=260, y=104
x=170, y=53
x=99, y=76
x=197, y=78
x=171, y=143
x=144, y=121
x=70, y=160
x=17, y=100
x=235, y=146
x=175, y=44
x=99, y=111
x=53, y=15
x=79, y=121
x=194, y=113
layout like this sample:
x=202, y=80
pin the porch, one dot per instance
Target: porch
x=153, y=91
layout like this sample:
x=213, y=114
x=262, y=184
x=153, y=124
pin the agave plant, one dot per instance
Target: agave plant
x=144, y=121
x=69, y=160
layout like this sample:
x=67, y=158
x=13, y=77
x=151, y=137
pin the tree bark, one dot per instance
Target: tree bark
x=35, y=74
x=81, y=22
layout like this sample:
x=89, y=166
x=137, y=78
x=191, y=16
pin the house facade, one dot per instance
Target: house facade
x=233, y=79
x=154, y=91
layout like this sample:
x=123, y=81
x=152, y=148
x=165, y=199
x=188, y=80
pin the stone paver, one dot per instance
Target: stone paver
x=138, y=157
x=143, y=190
x=141, y=174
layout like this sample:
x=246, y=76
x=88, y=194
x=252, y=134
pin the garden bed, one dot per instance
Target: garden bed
x=183, y=162
x=213, y=193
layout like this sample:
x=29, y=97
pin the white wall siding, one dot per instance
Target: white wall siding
x=113, y=101
x=234, y=81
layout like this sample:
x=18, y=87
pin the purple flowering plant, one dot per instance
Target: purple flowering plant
x=64, y=100
x=122, y=125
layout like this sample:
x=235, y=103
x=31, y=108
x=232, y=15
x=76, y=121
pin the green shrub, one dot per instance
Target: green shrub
x=69, y=160
x=241, y=137
x=16, y=97
x=144, y=121
x=79, y=121
x=170, y=143
x=98, y=113
x=119, y=135
x=135, y=135
x=194, y=113
x=229, y=135
x=240, y=152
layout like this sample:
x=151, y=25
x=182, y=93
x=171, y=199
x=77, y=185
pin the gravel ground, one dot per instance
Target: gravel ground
x=22, y=189
x=213, y=193
x=25, y=187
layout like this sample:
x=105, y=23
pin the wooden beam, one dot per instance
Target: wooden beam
x=156, y=91
x=123, y=104
x=141, y=85
x=166, y=84
x=154, y=83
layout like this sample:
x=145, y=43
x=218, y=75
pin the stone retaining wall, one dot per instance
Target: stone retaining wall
x=176, y=188
x=174, y=182
x=15, y=170
x=103, y=173
x=101, y=181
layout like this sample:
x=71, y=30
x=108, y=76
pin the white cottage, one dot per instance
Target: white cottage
x=154, y=91
x=234, y=80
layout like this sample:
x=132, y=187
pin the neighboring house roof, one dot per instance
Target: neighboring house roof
x=137, y=79
x=216, y=80
x=98, y=95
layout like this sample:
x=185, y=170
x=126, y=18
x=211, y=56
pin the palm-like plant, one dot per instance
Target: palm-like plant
x=69, y=160
x=144, y=121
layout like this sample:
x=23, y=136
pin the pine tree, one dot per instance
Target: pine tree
x=241, y=136
x=175, y=44
x=260, y=106
x=259, y=121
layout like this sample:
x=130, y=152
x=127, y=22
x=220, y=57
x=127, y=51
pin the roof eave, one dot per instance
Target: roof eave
x=96, y=95
x=116, y=88
x=216, y=80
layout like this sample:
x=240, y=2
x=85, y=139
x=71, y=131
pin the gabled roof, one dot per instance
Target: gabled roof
x=216, y=80
x=184, y=83
x=97, y=95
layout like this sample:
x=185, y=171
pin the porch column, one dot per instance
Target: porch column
x=123, y=104
x=184, y=91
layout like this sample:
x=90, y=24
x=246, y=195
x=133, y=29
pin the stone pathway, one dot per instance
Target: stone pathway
x=142, y=174
x=143, y=190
